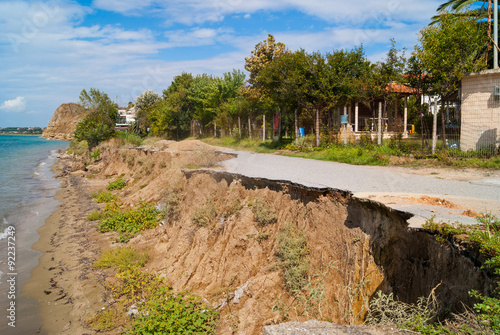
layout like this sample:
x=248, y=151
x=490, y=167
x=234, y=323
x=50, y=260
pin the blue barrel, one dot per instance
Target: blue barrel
x=302, y=132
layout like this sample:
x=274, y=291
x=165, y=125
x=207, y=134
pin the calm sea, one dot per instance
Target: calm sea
x=27, y=188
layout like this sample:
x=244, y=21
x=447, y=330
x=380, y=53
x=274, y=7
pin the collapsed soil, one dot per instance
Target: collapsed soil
x=231, y=260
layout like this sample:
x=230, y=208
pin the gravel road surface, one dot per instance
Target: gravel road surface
x=392, y=186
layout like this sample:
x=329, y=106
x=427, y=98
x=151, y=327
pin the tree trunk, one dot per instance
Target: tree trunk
x=443, y=121
x=379, y=127
x=264, y=127
x=296, y=122
x=434, y=127
x=249, y=128
x=317, y=127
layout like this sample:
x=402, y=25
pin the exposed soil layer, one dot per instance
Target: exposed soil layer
x=355, y=246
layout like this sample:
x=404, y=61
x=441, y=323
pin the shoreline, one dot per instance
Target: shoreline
x=62, y=283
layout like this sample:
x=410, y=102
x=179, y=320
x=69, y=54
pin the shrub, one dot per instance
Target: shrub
x=116, y=184
x=204, y=215
x=161, y=311
x=121, y=257
x=97, y=215
x=77, y=147
x=104, y=320
x=129, y=138
x=96, y=154
x=94, y=128
x=174, y=313
x=263, y=213
x=129, y=222
x=105, y=197
x=293, y=256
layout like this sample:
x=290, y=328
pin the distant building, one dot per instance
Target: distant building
x=126, y=116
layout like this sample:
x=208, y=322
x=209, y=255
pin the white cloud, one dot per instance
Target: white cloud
x=357, y=12
x=16, y=105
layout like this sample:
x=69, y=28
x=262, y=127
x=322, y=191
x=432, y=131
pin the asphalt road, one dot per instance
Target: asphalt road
x=383, y=184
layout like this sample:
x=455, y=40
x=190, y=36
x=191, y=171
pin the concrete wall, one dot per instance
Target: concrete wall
x=480, y=111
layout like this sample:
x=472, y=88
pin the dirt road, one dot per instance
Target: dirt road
x=418, y=191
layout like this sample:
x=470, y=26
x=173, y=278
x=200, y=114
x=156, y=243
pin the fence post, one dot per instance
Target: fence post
x=434, y=126
x=379, y=127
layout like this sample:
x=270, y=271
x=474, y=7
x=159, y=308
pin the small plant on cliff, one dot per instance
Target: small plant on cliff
x=205, y=214
x=105, y=197
x=263, y=213
x=121, y=257
x=293, y=256
x=159, y=309
x=77, y=147
x=116, y=184
x=96, y=154
x=130, y=222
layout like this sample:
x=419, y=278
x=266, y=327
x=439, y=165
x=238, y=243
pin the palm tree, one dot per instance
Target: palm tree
x=458, y=5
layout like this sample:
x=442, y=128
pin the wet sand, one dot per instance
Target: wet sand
x=67, y=290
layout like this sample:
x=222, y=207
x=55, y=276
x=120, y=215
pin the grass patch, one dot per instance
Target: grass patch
x=104, y=197
x=365, y=152
x=116, y=184
x=293, y=255
x=130, y=222
x=263, y=213
x=104, y=320
x=129, y=138
x=121, y=257
x=205, y=214
x=97, y=215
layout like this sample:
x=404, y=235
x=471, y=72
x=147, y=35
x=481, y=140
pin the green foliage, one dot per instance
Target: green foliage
x=147, y=100
x=174, y=313
x=97, y=215
x=78, y=147
x=105, y=197
x=263, y=213
x=121, y=257
x=204, y=215
x=104, y=320
x=387, y=311
x=131, y=221
x=450, y=49
x=116, y=184
x=94, y=128
x=262, y=237
x=129, y=138
x=160, y=310
x=96, y=100
x=484, y=237
x=293, y=256
x=96, y=154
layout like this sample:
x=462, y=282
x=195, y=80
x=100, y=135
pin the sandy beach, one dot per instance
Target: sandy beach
x=63, y=284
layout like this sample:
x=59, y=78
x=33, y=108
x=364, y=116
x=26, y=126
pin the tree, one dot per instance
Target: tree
x=450, y=49
x=94, y=128
x=180, y=108
x=283, y=80
x=459, y=5
x=146, y=100
x=97, y=100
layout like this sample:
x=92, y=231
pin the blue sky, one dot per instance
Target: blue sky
x=52, y=49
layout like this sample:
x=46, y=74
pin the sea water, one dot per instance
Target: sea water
x=27, y=190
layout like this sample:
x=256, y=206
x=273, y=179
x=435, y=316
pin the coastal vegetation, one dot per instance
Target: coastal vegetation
x=21, y=131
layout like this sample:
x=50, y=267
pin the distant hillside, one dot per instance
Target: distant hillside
x=64, y=121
